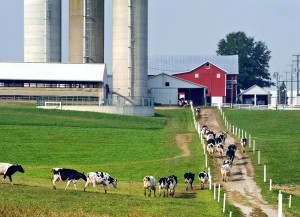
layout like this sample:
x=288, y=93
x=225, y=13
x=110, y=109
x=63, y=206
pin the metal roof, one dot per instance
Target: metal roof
x=53, y=72
x=186, y=63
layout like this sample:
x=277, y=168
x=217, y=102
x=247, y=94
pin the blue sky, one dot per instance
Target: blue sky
x=191, y=27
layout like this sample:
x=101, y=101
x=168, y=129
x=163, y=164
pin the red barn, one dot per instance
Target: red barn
x=217, y=73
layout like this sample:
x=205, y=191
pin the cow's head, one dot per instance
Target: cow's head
x=19, y=168
x=114, y=183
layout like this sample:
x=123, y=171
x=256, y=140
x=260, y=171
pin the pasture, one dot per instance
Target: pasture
x=277, y=136
x=128, y=148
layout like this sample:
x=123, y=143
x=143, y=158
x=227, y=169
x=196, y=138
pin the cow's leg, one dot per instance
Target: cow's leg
x=145, y=191
x=55, y=178
x=67, y=184
x=149, y=192
x=74, y=183
x=10, y=179
x=154, y=192
x=3, y=178
x=105, y=188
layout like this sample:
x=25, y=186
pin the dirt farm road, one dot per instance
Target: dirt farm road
x=241, y=189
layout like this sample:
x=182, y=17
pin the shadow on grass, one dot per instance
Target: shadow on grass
x=187, y=195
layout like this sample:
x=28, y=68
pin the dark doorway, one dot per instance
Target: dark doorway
x=194, y=94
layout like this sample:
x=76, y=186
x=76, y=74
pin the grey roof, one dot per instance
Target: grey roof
x=186, y=63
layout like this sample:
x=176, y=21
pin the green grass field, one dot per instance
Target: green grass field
x=277, y=136
x=128, y=148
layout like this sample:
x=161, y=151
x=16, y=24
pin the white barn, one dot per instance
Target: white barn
x=167, y=90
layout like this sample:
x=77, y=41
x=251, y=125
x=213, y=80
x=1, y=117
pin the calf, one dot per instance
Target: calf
x=189, y=179
x=203, y=177
x=220, y=150
x=68, y=175
x=163, y=186
x=8, y=169
x=243, y=144
x=149, y=184
x=172, y=182
x=97, y=178
x=225, y=170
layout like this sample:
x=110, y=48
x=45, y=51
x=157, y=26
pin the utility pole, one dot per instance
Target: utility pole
x=276, y=75
x=298, y=59
x=292, y=70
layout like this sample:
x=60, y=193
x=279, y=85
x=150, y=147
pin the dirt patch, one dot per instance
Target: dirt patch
x=242, y=191
x=183, y=141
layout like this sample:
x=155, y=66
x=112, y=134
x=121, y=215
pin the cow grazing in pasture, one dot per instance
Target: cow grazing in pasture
x=97, y=178
x=210, y=149
x=220, y=149
x=225, y=170
x=149, y=184
x=8, y=169
x=163, y=186
x=189, y=179
x=68, y=175
x=243, y=144
x=172, y=182
x=203, y=177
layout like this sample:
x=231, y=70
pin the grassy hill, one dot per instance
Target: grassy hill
x=128, y=148
x=277, y=136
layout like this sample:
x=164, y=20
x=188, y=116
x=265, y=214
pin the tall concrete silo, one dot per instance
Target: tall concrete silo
x=130, y=49
x=42, y=31
x=86, y=31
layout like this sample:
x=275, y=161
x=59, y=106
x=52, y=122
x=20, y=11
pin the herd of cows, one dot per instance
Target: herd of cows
x=166, y=185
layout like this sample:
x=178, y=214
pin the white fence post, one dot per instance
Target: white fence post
x=270, y=184
x=265, y=173
x=242, y=133
x=290, y=201
x=253, y=146
x=224, y=202
x=249, y=141
x=279, y=204
x=205, y=160
x=219, y=190
x=230, y=214
x=214, y=191
x=258, y=157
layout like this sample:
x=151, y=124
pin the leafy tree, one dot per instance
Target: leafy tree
x=253, y=59
x=282, y=94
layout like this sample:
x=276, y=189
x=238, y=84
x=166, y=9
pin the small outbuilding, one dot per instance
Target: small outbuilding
x=254, y=95
x=167, y=90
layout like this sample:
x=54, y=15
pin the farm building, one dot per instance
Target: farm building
x=167, y=90
x=254, y=95
x=29, y=80
x=217, y=73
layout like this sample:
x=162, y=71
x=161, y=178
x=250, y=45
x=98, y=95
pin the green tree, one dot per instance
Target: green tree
x=253, y=59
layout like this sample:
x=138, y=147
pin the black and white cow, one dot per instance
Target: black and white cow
x=198, y=111
x=8, y=169
x=163, y=186
x=97, y=178
x=172, y=182
x=220, y=149
x=68, y=175
x=203, y=177
x=231, y=152
x=149, y=184
x=223, y=136
x=189, y=179
x=243, y=144
x=210, y=149
x=225, y=170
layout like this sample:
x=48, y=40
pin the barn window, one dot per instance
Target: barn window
x=167, y=84
x=196, y=75
x=218, y=75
